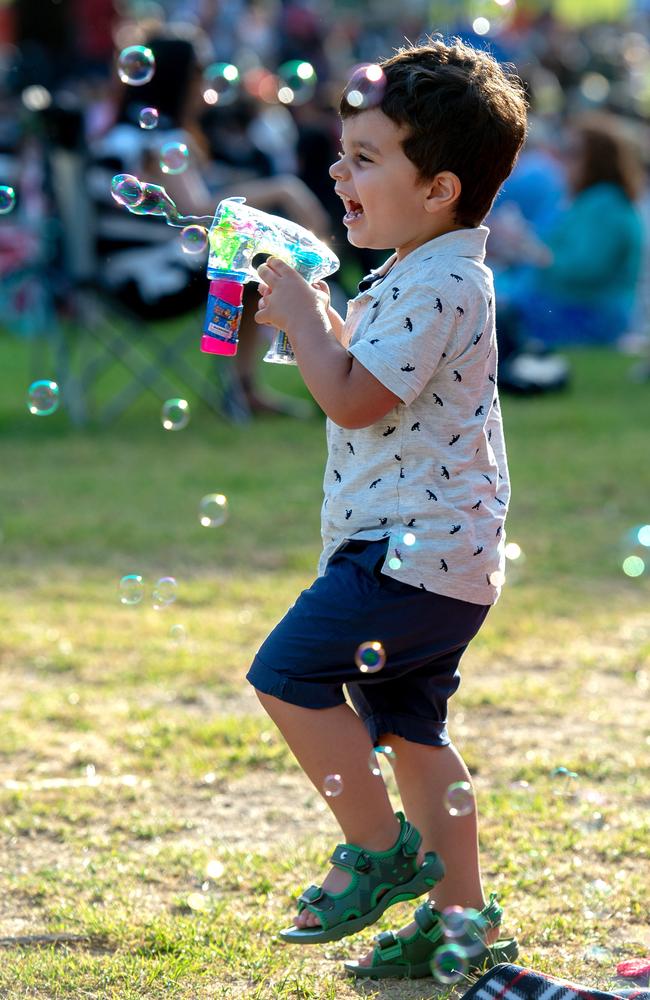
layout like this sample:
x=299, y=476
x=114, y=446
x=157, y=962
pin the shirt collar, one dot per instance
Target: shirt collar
x=458, y=243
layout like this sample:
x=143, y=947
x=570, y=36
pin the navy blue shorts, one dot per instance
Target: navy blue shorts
x=310, y=654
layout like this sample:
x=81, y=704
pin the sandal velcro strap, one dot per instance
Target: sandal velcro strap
x=389, y=946
x=428, y=920
x=411, y=840
x=492, y=912
x=312, y=895
x=351, y=858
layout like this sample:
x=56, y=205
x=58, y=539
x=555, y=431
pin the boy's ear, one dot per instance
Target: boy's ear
x=444, y=191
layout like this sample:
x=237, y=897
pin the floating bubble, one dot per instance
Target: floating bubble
x=214, y=869
x=409, y=538
x=365, y=88
x=198, y=901
x=164, y=592
x=512, y=550
x=7, y=199
x=43, y=397
x=194, y=239
x=597, y=953
x=480, y=25
x=459, y=799
x=213, y=510
x=36, y=97
x=221, y=83
x=136, y=65
x=332, y=785
x=178, y=634
x=297, y=82
x=131, y=588
x=566, y=781
x=643, y=535
x=497, y=578
x=595, y=87
x=633, y=566
x=127, y=190
x=373, y=760
x=175, y=414
x=450, y=963
x=174, y=158
x=488, y=17
x=370, y=657
x=148, y=118
x=459, y=922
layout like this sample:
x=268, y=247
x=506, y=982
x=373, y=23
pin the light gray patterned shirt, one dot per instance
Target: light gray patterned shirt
x=431, y=475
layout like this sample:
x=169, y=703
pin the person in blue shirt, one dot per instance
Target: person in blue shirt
x=583, y=291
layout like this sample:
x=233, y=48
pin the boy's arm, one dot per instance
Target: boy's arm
x=332, y=315
x=341, y=386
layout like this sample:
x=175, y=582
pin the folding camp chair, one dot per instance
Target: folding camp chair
x=97, y=330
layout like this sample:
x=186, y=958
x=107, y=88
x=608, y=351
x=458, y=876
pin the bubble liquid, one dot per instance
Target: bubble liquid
x=237, y=235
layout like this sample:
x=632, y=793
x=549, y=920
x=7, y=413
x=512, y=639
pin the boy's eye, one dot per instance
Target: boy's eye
x=359, y=157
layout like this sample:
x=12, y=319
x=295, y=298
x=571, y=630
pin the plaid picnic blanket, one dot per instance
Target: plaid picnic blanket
x=512, y=982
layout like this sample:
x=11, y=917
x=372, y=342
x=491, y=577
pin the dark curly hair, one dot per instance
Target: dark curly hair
x=465, y=113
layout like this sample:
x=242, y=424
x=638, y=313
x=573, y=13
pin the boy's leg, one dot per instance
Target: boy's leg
x=423, y=774
x=335, y=741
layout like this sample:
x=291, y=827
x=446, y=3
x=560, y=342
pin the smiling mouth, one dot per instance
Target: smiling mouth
x=354, y=210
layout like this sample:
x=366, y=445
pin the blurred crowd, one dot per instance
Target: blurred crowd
x=570, y=233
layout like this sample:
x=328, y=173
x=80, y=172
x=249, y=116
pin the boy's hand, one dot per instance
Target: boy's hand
x=286, y=299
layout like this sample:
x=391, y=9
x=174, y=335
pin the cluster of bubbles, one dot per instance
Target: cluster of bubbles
x=7, y=199
x=459, y=799
x=366, y=86
x=294, y=82
x=213, y=510
x=43, y=397
x=370, y=657
x=175, y=414
x=637, y=551
x=464, y=934
x=131, y=591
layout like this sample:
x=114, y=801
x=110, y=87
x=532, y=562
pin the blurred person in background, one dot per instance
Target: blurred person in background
x=144, y=262
x=580, y=283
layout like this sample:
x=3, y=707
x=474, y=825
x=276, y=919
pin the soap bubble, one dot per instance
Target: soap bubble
x=296, y=82
x=194, y=239
x=43, y=397
x=214, y=869
x=409, y=538
x=175, y=414
x=373, y=760
x=7, y=199
x=643, y=535
x=365, y=88
x=198, y=901
x=221, y=83
x=131, y=588
x=488, y=18
x=174, y=158
x=598, y=906
x=148, y=118
x=370, y=657
x=136, y=65
x=213, y=510
x=127, y=190
x=459, y=799
x=164, y=592
x=449, y=963
x=633, y=566
x=332, y=785
x=465, y=926
x=177, y=634
x=565, y=780
x=512, y=550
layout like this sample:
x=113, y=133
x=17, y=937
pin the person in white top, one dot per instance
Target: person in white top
x=416, y=493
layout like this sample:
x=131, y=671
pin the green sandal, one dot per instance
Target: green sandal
x=411, y=957
x=379, y=879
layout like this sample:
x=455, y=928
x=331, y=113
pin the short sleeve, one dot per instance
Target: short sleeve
x=404, y=341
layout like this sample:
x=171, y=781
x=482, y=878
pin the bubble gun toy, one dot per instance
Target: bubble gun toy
x=238, y=233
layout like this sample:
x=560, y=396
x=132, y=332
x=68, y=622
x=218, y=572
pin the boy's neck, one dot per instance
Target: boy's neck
x=442, y=230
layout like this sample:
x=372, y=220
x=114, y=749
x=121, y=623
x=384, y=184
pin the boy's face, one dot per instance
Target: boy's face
x=380, y=187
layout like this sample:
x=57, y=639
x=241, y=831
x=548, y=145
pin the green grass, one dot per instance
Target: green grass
x=130, y=760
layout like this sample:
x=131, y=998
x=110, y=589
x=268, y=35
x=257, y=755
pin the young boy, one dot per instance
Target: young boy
x=416, y=492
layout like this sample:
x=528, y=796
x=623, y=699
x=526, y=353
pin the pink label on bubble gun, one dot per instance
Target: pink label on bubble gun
x=222, y=318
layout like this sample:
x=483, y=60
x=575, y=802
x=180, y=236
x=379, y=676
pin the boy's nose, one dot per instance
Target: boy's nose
x=337, y=169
